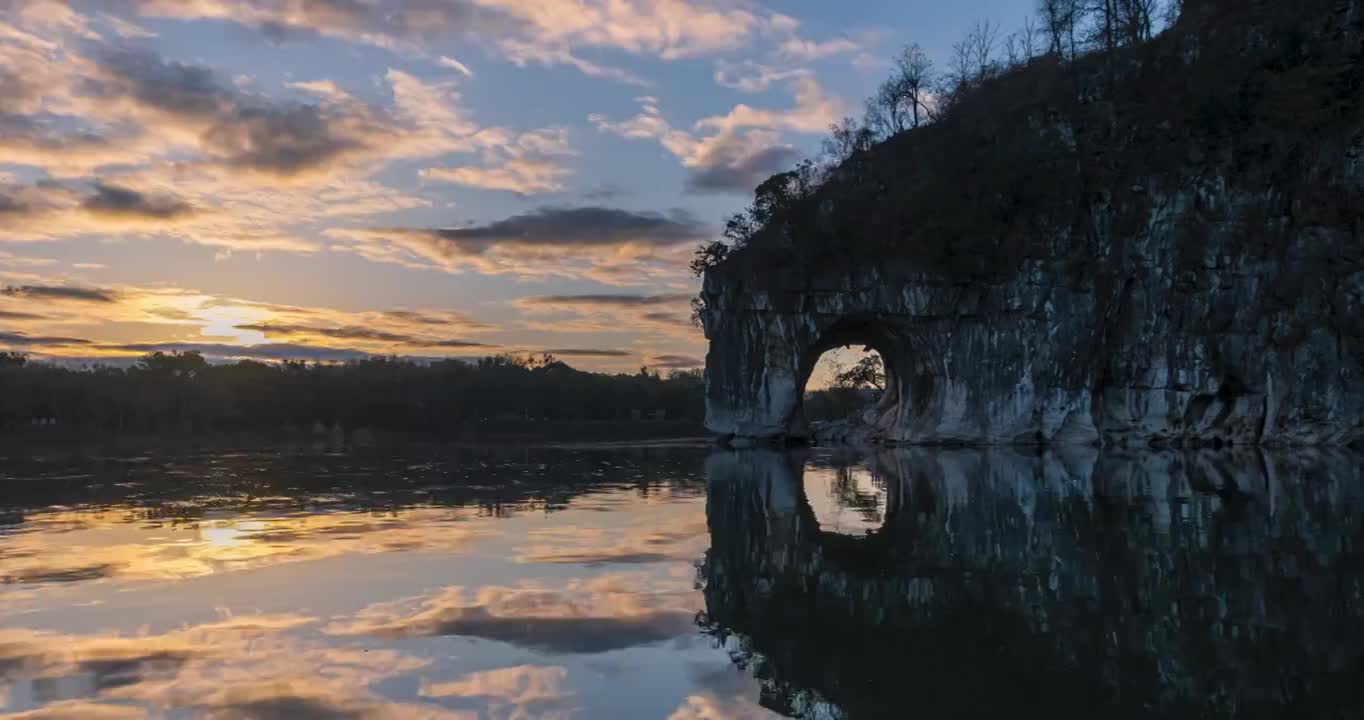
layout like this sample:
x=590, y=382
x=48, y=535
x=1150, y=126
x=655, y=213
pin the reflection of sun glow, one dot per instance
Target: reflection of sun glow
x=222, y=545
x=231, y=535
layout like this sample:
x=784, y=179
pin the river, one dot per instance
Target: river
x=413, y=580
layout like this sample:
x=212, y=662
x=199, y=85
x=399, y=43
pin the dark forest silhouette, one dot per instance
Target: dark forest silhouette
x=183, y=391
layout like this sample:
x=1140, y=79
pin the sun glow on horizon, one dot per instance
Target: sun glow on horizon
x=225, y=321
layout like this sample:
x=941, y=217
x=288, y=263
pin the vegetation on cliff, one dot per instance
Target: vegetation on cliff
x=1073, y=136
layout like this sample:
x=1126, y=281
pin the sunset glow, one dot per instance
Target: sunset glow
x=334, y=180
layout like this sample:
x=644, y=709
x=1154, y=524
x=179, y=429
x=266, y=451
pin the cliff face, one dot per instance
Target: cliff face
x=1102, y=270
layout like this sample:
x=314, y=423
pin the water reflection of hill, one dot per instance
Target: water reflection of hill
x=1156, y=585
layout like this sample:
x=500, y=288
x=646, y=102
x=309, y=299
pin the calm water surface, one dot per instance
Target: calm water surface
x=420, y=581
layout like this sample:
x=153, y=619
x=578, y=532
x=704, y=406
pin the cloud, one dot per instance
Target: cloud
x=25, y=205
x=15, y=315
x=67, y=709
x=587, y=352
x=453, y=64
x=239, y=131
x=360, y=333
x=548, y=31
x=813, y=112
x=227, y=328
x=42, y=120
x=518, y=175
x=736, y=151
x=183, y=151
x=527, y=165
x=676, y=362
x=18, y=339
x=523, y=53
x=49, y=210
x=664, y=318
x=270, y=351
x=121, y=202
x=52, y=16
x=60, y=292
x=600, y=301
x=795, y=48
x=445, y=318
x=665, y=28
x=285, y=142
x=752, y=77
x=390, y=23
x=549, y=241
x=124, y=28
x=613, y=312
x=739, y=164
x=577, y=227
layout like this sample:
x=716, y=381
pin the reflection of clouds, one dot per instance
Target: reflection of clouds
x=599, y=615
x=85, y=550
x=682, y=539
x=518, y=692
x=707, y=705
x=723, y=693
x=39, y=654
x=251, y=667
x=39, y=575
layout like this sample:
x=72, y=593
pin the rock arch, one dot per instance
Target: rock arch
x=1039, y=355
x=857, y=330
x=956, y=375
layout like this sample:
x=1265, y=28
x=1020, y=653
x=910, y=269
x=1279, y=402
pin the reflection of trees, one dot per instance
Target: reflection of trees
x=846, y=492
x=1179, y=585
x=175, y=484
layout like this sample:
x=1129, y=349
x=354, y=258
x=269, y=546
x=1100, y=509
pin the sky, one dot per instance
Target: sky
x=332, y=179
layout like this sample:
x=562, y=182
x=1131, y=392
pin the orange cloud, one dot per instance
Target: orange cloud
x=735, y=151
x=62, y=318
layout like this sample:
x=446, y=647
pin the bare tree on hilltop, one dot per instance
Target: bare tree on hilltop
x=916, y=95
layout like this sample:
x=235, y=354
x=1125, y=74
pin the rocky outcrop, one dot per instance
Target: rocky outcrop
x=1180, y=280
x=1162, y=354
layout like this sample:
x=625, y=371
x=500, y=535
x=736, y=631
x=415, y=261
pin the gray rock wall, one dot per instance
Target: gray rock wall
x=1154, y=337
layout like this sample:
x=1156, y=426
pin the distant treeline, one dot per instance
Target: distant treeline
x=182, y=391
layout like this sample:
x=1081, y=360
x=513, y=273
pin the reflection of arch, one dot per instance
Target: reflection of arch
x=1069, y=585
